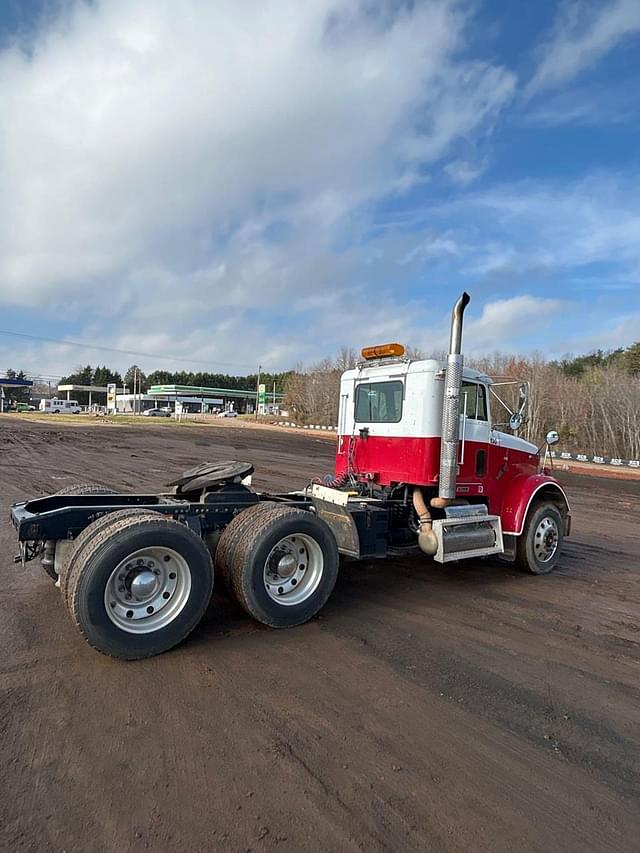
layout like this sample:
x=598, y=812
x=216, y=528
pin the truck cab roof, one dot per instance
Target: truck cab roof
x=401, y=367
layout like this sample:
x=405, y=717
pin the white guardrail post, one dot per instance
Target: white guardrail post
x=599, y=460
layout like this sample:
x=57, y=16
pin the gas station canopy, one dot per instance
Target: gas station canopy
x=5, y=382
x=100, y=389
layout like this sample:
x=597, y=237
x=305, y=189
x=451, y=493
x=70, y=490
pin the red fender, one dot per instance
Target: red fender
x=519, y=495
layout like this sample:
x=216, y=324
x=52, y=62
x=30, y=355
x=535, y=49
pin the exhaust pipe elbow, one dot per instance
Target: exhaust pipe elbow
x=426, y=537
x=455, y=340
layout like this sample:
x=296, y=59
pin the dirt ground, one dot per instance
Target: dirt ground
x=427, y=708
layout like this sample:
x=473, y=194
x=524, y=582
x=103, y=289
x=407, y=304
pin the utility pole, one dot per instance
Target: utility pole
x=274, y=397
x=257, y=391
x=135, y=387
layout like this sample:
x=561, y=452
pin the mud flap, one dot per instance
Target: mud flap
x=331, y=507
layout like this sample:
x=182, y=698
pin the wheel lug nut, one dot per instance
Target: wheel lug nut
x=128, y=596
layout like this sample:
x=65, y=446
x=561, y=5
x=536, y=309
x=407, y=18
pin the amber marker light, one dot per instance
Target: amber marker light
x=382, y=351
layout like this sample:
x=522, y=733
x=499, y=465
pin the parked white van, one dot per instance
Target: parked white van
x=55, y=406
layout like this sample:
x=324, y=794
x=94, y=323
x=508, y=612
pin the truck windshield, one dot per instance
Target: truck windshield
x=379, y=402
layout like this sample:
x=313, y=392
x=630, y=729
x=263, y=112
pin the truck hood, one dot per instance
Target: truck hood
x=514, y=442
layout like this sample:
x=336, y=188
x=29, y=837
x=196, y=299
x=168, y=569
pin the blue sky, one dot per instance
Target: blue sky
x=265, y=182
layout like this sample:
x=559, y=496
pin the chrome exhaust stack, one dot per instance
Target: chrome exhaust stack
x=451, y=409
x=464, y=529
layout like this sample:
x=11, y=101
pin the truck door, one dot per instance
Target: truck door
x=475, y=430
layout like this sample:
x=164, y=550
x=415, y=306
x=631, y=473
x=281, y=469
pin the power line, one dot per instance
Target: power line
x=34, y=374
x=125, y=351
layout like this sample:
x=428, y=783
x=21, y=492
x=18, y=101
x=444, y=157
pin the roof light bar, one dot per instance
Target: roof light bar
x=382, y=351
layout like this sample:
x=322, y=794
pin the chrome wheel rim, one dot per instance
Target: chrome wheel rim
x=293, y=570
x=148, y=590
x=545, y=539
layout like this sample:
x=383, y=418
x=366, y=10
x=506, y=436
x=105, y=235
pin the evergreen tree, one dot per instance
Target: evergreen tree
x=631, y=359
x=130, y=378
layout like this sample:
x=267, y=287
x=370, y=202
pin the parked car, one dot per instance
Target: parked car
x=229, y=414
x=156, y=413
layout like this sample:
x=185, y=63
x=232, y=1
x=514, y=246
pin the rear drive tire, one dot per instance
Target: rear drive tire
x=233, y=535
x=538, y=547
x=84, y=489
x=283, y=566
x=77, y=489
x=140, y=586
x=86, y=537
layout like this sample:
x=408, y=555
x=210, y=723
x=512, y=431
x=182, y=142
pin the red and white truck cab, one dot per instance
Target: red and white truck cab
x=431, y=427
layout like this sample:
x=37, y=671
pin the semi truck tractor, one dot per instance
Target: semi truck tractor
x=422, y=468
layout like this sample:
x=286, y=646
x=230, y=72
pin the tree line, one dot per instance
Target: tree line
x=592, y=400
x=101, y=376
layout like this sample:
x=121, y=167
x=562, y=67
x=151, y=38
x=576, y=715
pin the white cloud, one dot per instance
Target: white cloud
x=548, y=224
x=505, y=323
x=201, y=184
x=587, y=106
x=459, y=100
x=584, y=32
x=431, y=246
x=137, y=139
x=164, y=173
x=463, y=173
x=617, y=331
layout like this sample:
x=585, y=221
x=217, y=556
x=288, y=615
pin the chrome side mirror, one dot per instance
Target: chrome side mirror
x=515, y=421
x=552, y=437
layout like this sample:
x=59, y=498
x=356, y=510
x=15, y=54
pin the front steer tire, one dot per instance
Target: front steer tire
x=96, y=598
x=281, y=564
x=538, y=547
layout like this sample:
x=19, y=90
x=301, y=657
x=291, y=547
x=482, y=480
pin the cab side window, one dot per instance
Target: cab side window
x=474, y=397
